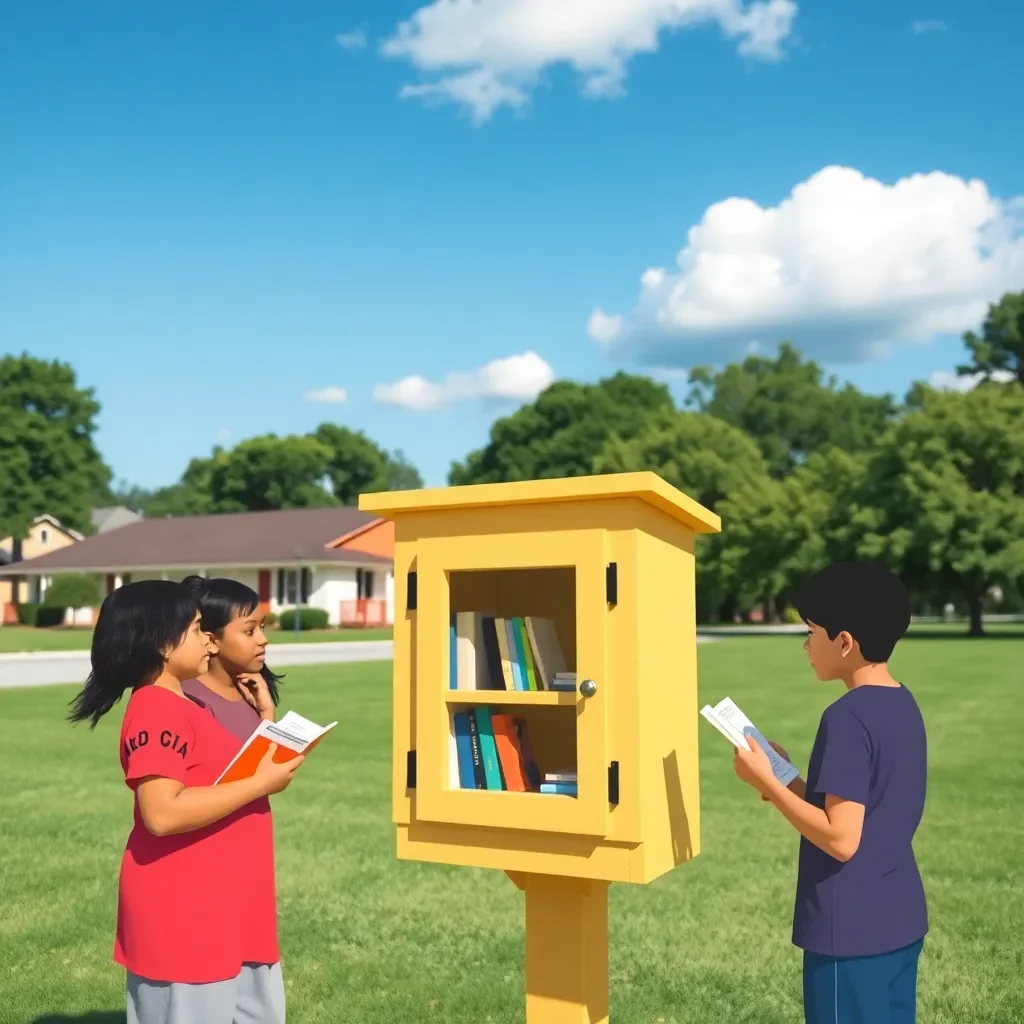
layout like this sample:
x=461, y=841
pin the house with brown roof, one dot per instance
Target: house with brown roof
x=338, y=559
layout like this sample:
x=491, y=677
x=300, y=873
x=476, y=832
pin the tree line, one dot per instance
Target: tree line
x=802, y=471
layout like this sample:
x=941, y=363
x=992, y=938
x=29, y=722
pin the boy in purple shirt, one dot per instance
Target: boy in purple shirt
x=860, y=915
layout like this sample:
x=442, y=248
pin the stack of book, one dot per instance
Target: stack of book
x=489, y=652
x=493, y=751
x=560, y=782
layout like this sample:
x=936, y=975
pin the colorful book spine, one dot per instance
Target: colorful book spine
x=513, y=770
x=476, y=753
x=464, y=749
x=529, y=667
x=492, y=767
x=521, y=660
x=501, y=632
x=526, y=750
x=514, y=656
x=495, y=675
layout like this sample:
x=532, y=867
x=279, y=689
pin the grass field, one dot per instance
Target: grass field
x=369, y=939
x=16, y=639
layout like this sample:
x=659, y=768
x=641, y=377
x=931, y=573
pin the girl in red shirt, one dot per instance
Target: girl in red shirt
x=182, y=932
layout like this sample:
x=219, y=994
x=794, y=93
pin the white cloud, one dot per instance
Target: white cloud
x=844, y=267
x=946, y=380
x=485, y=54
x=602, y=327
x=517, y=378
x=920, y=28
x=328, y=395
x=351, y=41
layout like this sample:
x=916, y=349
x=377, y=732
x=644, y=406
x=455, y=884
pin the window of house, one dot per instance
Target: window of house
x=364, y=582
x=294, y=586
x=44, y=536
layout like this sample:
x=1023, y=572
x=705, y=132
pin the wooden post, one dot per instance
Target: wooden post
x=566, y=949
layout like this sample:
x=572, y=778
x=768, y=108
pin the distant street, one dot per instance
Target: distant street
x=45, y=668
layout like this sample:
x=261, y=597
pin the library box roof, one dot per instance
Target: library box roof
x=646, y=486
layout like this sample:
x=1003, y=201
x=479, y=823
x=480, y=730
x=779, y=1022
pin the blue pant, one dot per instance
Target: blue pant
x=862, y=989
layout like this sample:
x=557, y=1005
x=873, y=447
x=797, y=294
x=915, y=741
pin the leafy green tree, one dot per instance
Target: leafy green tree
x=789, y=408
x=943, y=500
x=267, y=472
x=703, y=456
x=707, y=459
x=1000, y=347
x=48, y=458
x=563, y=430
x=358, y=465
x=778, y=532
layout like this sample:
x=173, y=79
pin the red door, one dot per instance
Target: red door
x=265, y=589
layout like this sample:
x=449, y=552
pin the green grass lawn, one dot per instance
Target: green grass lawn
x=367, y=938
x=15, y=639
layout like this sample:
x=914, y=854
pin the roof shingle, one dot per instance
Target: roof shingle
x=242, y=538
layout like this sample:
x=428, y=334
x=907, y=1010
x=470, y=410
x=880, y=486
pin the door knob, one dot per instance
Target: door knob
x=588, y=687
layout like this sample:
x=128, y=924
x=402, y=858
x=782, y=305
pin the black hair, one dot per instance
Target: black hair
x=866, y=599
x=220, y=600
x=136, y=623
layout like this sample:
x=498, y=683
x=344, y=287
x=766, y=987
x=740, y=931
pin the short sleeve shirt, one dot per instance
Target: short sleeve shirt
x=870, y=748
x=240, y=718
x=182, y=898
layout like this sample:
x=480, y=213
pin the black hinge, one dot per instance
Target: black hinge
x=410, y=770
x=611, y=582
x=613, y=782
x=410, y=592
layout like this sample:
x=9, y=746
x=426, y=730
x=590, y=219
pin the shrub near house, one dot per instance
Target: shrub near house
x=72, y=591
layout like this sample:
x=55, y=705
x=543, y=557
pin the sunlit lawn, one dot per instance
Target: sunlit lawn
x=14, y=639
x=367, y=938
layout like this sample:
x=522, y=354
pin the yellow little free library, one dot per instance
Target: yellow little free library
x=545, y=712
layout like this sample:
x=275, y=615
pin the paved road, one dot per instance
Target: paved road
x=45, y=668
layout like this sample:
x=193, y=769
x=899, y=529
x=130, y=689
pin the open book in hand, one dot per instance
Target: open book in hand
x=727, y=718
x=293, y=735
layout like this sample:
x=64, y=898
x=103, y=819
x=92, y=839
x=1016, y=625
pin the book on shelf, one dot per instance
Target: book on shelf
x=293, y=735
x=560, y=788
x=491, y=750
x=491, y=652
x=734, y=725
x=564, y=681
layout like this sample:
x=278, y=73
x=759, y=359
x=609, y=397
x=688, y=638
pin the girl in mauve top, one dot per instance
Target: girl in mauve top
x=240, y=690
x=182, y=936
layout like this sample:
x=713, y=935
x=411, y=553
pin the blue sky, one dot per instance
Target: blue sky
x=214, y=211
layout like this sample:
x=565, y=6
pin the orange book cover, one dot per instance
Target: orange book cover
x=507, y=742
x=293, y=735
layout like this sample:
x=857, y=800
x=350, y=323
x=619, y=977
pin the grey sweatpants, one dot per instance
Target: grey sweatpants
x=256, y=996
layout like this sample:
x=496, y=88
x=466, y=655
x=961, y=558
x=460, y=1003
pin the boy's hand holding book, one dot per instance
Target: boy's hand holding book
x=752, y=766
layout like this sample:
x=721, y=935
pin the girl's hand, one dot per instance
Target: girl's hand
x=274, y=777
x=253, y=688
x=752, y=766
